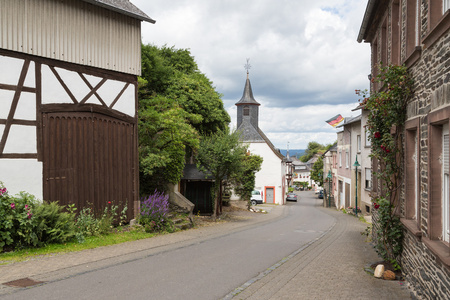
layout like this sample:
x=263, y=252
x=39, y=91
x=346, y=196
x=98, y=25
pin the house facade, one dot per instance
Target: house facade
x=68, y=100
x=344, y=171
x=329, y=176
x=417, y=34
x=271, y=179
x=302, y=171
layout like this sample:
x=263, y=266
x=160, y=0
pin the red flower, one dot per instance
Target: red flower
x=377, y=135
x=109, y=202
x=376, y=205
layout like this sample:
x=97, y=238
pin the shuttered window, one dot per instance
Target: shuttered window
x=446, y=5
x=445, y=185
x=368, y=176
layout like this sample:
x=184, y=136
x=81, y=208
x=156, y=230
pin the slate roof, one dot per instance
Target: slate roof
x=348, y=121
x=191, y=172
x=124, y=7
x=247, y=96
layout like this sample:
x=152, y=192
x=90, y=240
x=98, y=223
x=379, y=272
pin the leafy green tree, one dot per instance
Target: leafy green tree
x=243, y=179
x=220, y=154
x=313, y=149
x=317, y=171
x=177, y=104
x=174, y=74
x=164, y=134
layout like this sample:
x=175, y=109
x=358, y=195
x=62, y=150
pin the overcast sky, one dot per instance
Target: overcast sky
x=305, y=60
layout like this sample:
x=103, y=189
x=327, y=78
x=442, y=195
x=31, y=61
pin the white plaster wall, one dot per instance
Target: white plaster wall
x=19, y=174
x=366, y=162
x=53, y=92
x=271, y=170
x=10, y=69
x=21, y=139
x=22, y=175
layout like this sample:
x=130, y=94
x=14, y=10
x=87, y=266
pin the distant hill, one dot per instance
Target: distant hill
x=293, y=152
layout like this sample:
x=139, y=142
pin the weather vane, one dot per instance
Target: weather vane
x=247, y=66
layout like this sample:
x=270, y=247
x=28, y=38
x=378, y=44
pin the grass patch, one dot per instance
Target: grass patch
x=91, y=242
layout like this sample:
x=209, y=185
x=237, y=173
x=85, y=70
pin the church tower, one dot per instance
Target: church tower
x=248, y=114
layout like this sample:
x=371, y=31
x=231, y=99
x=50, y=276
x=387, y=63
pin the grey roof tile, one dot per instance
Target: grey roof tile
x=124, y=7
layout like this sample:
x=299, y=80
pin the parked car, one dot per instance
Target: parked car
x=320, y=196
x=291, y=197
x=257, y=197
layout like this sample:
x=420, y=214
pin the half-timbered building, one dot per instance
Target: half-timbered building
x=68, y=100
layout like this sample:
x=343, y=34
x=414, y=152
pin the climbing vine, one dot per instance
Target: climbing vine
x=386, y=119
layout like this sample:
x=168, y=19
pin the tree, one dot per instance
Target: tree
x=164, y=134
x=221, y=154
x=313, y=148
x=177, y=104
x=174, y=74
x=243, y=179
x=317, y=171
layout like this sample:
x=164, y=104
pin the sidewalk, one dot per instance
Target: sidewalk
x=331, y=267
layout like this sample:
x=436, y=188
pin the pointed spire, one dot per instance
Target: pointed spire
x=288, y=159
x=247, y=96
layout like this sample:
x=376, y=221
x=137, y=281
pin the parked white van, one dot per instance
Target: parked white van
x=257, y=197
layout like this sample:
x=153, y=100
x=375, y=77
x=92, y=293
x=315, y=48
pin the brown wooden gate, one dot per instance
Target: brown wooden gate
x=88, y=160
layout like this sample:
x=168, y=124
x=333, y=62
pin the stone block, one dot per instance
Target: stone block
x=379, y=270
x=388, y=275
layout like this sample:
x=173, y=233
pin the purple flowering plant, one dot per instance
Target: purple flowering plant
x=154, y=210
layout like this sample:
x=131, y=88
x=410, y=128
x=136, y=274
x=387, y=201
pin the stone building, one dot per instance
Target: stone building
x=416, y=33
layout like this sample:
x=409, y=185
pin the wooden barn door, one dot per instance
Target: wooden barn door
x=88, y=160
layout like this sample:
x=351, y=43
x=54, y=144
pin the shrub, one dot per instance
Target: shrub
x=87, y=224
x=154, y=209
x=52, y=224
x=17, y=227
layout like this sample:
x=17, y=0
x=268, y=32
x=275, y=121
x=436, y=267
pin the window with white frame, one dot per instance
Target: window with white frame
x=416, y=179
x=358, y=143
x=347, y=160
x=367, y=140
x=445, y=184
x=368, y=179
x=340, y=159
x=445, y=6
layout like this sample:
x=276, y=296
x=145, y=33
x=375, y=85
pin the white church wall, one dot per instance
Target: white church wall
x=270, y=174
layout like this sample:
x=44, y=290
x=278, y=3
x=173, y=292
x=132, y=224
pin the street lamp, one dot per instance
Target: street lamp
x=329, y=187
x=356, y=165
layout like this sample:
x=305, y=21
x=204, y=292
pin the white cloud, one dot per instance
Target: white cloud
x=305, y=60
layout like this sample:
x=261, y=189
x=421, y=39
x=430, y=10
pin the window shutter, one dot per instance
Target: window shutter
x=446, y=155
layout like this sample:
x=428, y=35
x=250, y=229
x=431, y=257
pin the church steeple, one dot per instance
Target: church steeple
x=247, y=107
x=247, y=96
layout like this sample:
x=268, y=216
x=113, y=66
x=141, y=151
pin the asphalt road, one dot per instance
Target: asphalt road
x=210, y=268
